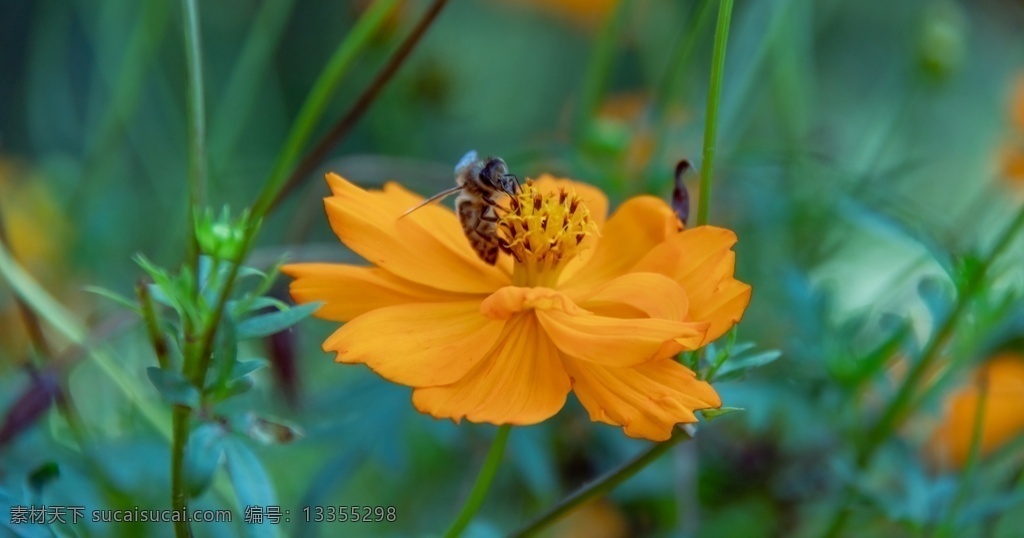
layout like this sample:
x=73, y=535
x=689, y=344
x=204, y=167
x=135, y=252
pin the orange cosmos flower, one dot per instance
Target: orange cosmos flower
x=1012, y=151
x=577, y=303
x=588, y=13
x=1002, y=418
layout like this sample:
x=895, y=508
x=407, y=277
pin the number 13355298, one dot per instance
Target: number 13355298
x=349, y=514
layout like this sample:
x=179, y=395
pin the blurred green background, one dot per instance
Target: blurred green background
x=865, y=160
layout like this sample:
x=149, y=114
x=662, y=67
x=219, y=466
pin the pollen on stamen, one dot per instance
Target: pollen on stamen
x=529, y=233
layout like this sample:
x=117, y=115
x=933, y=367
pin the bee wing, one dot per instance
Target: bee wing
x=438, y=196
x=469, y=158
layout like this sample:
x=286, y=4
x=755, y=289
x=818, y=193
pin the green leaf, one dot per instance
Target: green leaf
x=712, y=414
x=737, y=366
x=157, y=294
x=113, y=296
x=173, y=387
x=268, y=324
x=234, y=388
x=202, y=455
x=225, y=350
x=249, y=271
x=251, y=484
x=244, y=368
x=245, y=306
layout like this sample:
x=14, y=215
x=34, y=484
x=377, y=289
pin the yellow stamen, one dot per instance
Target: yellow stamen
x=543, y=232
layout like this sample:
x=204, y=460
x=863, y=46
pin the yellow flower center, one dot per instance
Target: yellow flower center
x=542, y=232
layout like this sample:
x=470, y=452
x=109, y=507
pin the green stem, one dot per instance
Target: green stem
x=196, y=113
x=903, y=402
x=711, y=120
x=273, y=190
x=606, y=483
x=344, y=125
x=323, y=91
x=970, y=467
x=179, y=495
x=156, y=337
x=483, y=483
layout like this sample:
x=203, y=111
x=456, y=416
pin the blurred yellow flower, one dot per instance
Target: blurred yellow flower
x=34, y=224
x=1003, y=416
x=37, y=236
x=576, y=303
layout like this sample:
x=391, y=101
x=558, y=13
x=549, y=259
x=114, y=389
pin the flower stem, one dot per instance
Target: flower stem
x=483, y=483
x=711, y=120
x=156, y=338
x=368, y=25
x=274, y=192
x=903, y=403
x=179, y=497
x=196, y=111
x=605, y=483
x=948, y=526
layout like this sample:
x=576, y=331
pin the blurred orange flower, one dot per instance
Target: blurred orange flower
x=586, y=12
x=1013, y=150
x=1002, y=418
x=577, y=302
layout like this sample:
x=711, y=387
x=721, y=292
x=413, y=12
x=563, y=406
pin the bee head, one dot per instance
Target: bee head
x=495, y=173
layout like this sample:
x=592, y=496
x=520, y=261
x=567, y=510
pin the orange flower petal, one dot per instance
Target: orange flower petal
x=419, y=247
x=617, y=341
x=638, y=225
x=419, y=345
x=443, y=220
x=350, y=291
x=652, y=294
x=701, y=261
x=510, y=300
x=1002, y=418
x=646, y=400
x=520, y=381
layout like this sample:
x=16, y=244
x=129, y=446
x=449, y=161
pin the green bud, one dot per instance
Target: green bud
x=221, y=238
x=941, y=43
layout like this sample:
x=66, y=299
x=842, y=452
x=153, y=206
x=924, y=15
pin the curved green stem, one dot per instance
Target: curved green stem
x=277, y=187
x=606, y=483
x=903, y=403
x=368, y=25
x=483, y=483
x=711, y=121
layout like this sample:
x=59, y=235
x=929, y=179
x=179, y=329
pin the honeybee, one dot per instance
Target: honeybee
x=478, y=181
